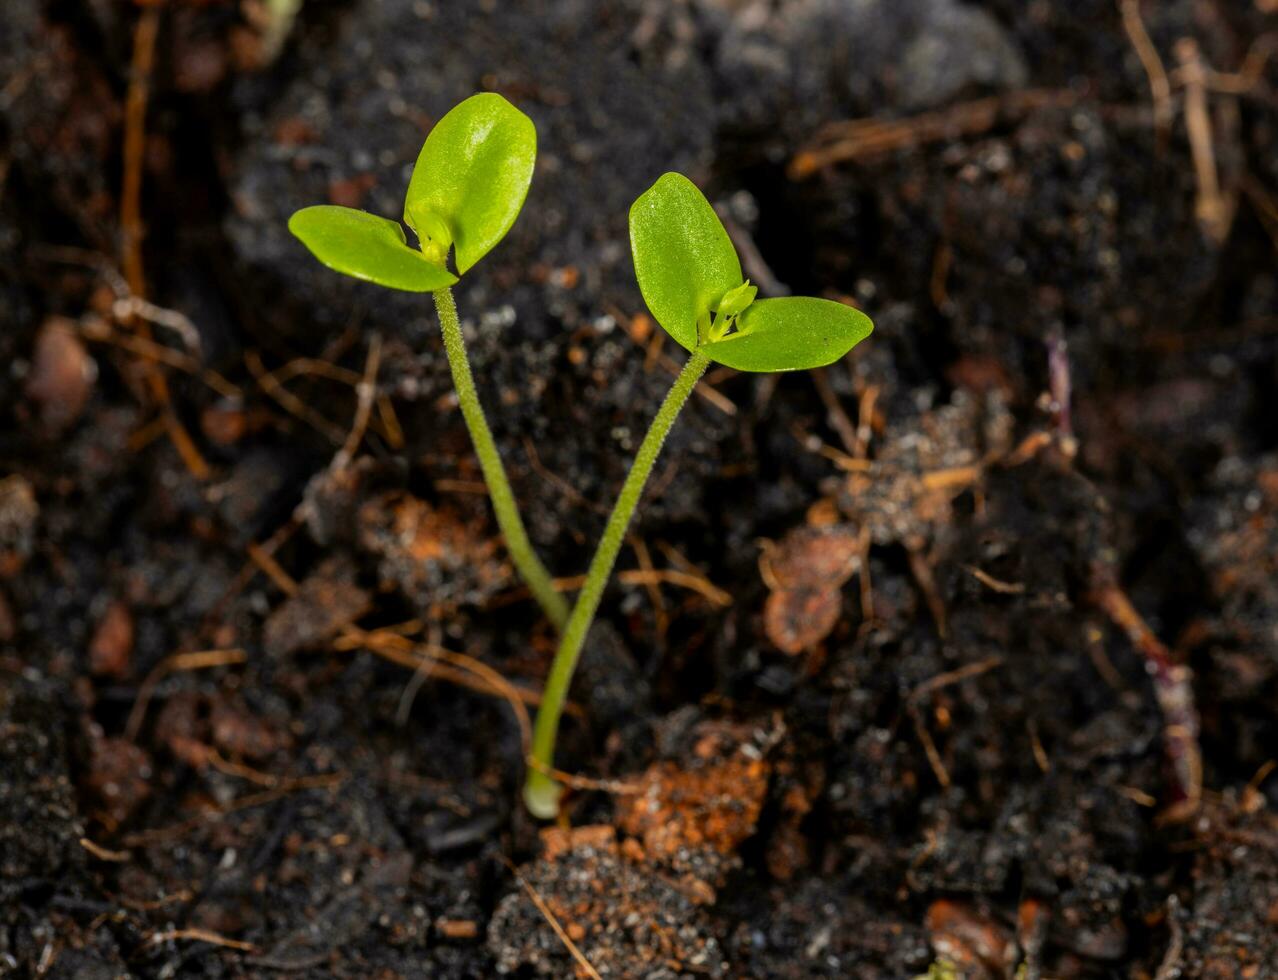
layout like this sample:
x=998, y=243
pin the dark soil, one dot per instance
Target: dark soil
x=914, y=699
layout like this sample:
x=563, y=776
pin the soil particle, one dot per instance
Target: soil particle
x=249, y=499
x=805, y=573
x=324, y=603
x=43, y=879
x=1234, y=532
x=818, y=927
x=117, y=778
x=627, y=919
x=57, y=99
x=8, y=621
x=974, y=944
x=19, y=512
x=61, y=377
x=330, y=503
x=798, y=619
x=692, y=817
x=1227, y=928
x=179, y=728
x=617, y=695
x=238, y=731
x=908, y=490
x=111, y=646
x=434, y=555
x=39, y=818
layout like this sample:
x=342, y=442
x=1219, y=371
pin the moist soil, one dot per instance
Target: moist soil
x=958, y=658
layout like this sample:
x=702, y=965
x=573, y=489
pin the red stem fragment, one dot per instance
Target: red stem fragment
x=1174, y=692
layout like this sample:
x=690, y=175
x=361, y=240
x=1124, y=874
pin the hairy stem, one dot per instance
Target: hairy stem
x=541, y=792
x=529, y=566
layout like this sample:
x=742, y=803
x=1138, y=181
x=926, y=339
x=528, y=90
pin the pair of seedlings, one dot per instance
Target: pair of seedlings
x=467, y=188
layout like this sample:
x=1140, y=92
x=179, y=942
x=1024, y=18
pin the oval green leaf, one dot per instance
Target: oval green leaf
x=367, y=247
x=684, y=260
x=791, y=333
x=473, y=175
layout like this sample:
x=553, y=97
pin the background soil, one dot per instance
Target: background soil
x=873, y=695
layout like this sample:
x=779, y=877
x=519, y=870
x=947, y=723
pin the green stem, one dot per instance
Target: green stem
x=529, y=566
x=541, y=792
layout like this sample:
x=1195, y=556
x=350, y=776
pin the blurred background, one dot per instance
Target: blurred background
x=959, y=655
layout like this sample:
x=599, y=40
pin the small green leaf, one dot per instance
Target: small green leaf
x=472, y=176
x=684, y=260
x=736, y=300
x=791, y=333
x=367, y=247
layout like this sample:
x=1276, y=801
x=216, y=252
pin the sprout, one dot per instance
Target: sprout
x=691, y=279
x=467, y=188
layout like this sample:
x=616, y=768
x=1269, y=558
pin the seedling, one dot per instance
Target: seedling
x=467, y=188
x=691, y=279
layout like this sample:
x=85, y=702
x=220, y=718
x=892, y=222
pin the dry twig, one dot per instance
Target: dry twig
x=198, y=936
x=178, y=662
x=859, y=140
x=1159, y=84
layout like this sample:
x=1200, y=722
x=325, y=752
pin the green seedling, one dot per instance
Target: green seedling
x=691, y=280
x=467, y=188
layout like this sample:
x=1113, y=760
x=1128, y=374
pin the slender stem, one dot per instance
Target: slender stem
x=529, y=566
x=541, y=792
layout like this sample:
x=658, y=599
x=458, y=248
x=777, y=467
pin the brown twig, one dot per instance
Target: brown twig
x=564, y=486
x=272, y=569
x=584, y=784
x=922, y=572
x=929, y=687
x=1159, y=84
x=1215, y=210
x=101, y=331
x=288, y=401
x=231, y=767
x=365, y=392
x=102, y=853
x=458, y=668
x=753, y=263
x=865, y=420
x=835, y=414
x=865, y=139
x=198, y=660
x=198, y=936
x=409, y=695
x=951, y=677
x=934, y=760
x=131, y=228
x=654, y=589
x=669, y=576
x=1170, y=967
x=250, y=568
x=131, y=231
x=994, y=584
x=146, y=838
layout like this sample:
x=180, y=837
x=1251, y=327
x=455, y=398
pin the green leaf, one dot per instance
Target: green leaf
x=684, y=259
x=791, y=333
x=472, y=176
x=367, y=247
